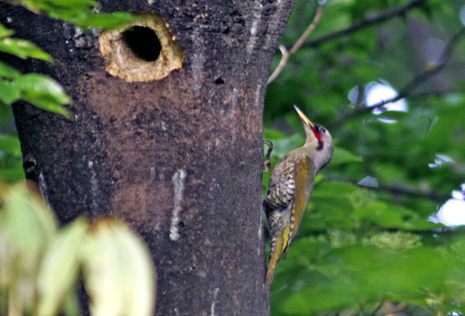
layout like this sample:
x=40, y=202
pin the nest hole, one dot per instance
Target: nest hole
x=219, y=81
x=143, y=42
x=142, y=51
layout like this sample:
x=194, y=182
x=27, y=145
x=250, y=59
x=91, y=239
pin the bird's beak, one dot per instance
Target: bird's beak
x=304, y=118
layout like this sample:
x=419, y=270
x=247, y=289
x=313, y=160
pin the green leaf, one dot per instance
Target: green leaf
x=24, y=212
x=13, y=173
x=9, y=144
x=343, y=156
x=23, y=49
x=367, y=274
x=28, y=227
x=330, y=189
x=118, y=272
x=43, y=92
x=6, y=113
x=8, y=72
x=281, y=146
x=71, y=306
x=9, y=92
x=79, y=12
x=393, y=115
x=71, y=3
x=273, y=134
x=59, y=268
x=392, y=216
x=328, y=212
x=4, y=32
x=102, y=20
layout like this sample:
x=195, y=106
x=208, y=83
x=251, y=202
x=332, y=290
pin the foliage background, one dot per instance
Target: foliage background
x=366, y=245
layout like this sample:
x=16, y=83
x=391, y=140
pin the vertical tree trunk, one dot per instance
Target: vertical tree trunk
x=178, y=158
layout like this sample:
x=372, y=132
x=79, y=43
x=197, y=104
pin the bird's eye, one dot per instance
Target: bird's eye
x=322, y=130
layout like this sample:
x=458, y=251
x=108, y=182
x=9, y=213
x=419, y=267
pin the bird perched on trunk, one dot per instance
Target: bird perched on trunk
x=290, y=186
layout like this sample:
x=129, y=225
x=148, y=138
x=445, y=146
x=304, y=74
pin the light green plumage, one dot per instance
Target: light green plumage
x=290, y=186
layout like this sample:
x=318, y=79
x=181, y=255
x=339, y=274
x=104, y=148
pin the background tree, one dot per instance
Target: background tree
x=177, y=155
x=385, y=76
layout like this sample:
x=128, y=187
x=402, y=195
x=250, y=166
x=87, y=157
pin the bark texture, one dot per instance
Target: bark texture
x=179, y=159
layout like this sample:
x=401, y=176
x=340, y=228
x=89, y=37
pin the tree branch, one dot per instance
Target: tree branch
x=287, y=54
x=412, y=84
x=397, y=190
x=378, y=307
x=410, y=192
x=366, y=22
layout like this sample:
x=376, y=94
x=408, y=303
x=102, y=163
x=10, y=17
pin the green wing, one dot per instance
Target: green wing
x=303, y=179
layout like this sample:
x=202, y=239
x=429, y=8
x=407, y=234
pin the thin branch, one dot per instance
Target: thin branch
x=378, y=307
x=285, y=54
x=367, y=22
x=397, y=190
x=438, y=93
x=400, y=190
x=408, y=89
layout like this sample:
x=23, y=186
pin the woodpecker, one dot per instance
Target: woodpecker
x=290, y=186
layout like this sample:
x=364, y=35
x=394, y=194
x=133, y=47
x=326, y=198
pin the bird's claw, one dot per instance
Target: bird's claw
x=267, y=162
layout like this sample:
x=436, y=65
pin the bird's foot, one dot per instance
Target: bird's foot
x=267, y=162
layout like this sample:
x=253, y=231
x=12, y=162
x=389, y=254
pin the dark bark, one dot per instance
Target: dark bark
x=179, y=159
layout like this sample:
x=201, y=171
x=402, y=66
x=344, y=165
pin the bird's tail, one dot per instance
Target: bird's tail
x=279, y=244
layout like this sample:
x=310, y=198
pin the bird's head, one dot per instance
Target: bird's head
x=318, y=141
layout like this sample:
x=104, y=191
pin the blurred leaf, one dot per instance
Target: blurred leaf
x=273, y=134
x=102, y=20
x=393, y=115
x=59, y=268
x=78, y=12
x=118, y=272
x=9, y=93
x=8, y=72
x=392, y=216
x=28, y=226
x=9, y=144
x=22, y=49
x=329, y=212
x=24, y=212
x=4, y=32
x=12, y=173
x=282, y=146
x=394, y=240
x=71, y=306
x=343, y=156
x=329, y=189
x=368, y=274
x=43, y=92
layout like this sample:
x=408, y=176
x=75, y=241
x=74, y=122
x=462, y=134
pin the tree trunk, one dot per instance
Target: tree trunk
x=179, y=157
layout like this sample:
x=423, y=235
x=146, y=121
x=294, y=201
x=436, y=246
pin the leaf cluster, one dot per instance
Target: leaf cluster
x=84, y=13
x=367, y=241
x=40, y=263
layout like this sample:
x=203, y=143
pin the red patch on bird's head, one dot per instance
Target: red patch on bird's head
x=317, y=134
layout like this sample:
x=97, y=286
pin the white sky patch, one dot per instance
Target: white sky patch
x=452, y=213
x=369, y=181
x=380, y=91
x=440, y=160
